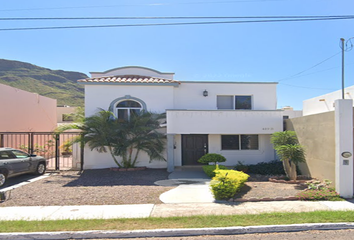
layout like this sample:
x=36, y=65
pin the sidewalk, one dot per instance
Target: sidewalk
x=164, y=210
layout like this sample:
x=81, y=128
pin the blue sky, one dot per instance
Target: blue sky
x=247, y=52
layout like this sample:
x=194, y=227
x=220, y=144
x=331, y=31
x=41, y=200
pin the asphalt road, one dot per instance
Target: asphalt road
x=318, y=235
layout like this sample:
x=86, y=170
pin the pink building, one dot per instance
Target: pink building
x=22, y=111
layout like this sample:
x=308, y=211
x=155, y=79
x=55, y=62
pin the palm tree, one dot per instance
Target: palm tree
x=289, y=150
x=141, y=134
x=104, y=132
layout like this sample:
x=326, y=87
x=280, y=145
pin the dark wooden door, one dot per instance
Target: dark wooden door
x=194, y=146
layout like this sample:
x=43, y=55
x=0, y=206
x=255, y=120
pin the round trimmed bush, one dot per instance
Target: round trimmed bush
x=212, y=158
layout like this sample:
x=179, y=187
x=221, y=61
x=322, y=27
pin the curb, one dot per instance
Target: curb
x=178, y=232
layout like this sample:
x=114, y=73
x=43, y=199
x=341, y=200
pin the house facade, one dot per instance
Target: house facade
x=234, y=119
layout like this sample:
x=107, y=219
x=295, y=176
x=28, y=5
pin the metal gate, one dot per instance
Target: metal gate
x=61, y=150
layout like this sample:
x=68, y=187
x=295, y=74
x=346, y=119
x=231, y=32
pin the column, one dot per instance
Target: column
x=170, y=152
x=344, y=147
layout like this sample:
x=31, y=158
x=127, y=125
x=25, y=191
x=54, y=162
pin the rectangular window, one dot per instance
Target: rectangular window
x=224, y=102
x=234, y=102
x=249, y=142
x=123, y=114
x=230, y=142
x=68, y=117
x=243, y=102
x=239, y=142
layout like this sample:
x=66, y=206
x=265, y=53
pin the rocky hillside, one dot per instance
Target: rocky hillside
x=57, y=84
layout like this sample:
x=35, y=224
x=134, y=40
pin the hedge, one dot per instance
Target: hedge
x=226, y=183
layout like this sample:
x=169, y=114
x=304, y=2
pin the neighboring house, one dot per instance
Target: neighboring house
x=23, y=111
x=65, y=114
x=235, y=119
x=325, y=103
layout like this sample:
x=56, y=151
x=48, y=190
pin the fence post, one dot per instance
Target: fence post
x=30, y=143
x=1, y=140
x=57, y=144
x=82, y=146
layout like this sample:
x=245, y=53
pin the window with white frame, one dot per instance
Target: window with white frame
x=239, y=142
x=234, y=102
x=127, y=108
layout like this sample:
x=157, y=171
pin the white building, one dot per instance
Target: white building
x=325, y=103
x=234, y=119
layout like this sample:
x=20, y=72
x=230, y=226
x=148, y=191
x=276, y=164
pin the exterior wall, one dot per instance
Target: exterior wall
x=325, y=103
x=292, y=113
x=189, y=95
x=265, y=153
x=23, y=111
x=224, y=122
x=141, y=71
x=64, y=110
x=317, y=134
x=96, y=160
x=157, y=98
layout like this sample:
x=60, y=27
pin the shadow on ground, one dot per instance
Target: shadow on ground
x=10, y=182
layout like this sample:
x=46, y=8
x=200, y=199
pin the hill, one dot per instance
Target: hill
x=57, y=84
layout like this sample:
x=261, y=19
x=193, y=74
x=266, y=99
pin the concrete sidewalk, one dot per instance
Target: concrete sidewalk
x=165, y=210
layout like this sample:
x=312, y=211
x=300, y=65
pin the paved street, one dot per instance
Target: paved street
x=337, y=234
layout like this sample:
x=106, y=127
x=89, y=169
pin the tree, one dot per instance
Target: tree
x=140, y=133
x=104, y=132
x=212, y=157
x=289, y=150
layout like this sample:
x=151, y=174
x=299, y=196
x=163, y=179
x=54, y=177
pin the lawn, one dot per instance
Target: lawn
x=179, y=222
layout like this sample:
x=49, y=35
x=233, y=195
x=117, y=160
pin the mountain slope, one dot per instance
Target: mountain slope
x=57, y=84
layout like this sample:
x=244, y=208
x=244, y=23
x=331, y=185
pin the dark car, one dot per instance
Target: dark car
x=14, y=162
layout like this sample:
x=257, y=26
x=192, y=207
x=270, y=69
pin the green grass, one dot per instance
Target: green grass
x=178, y=222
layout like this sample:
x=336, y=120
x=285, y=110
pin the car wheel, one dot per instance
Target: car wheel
x=2, y=179
x=41, y=169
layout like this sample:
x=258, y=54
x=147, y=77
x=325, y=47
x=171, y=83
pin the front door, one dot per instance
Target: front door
x=194, y=146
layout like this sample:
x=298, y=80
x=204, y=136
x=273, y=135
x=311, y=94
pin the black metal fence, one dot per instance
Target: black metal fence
x=61, y=150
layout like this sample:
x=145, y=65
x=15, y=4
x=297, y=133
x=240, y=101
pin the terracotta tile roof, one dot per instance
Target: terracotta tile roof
x=127, y=79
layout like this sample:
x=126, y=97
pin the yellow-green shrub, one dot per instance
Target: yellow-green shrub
x=226, y=183
x=209, y=169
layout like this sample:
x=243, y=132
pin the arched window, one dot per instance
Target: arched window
x=127, y=108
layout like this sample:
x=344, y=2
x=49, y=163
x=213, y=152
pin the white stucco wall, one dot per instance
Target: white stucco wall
x=23, y=111
x=96, y=160
x=265, y=153
x=189, y=95
x=325, y=103
x=224, y=122
x=132, y=70
x=157, y=98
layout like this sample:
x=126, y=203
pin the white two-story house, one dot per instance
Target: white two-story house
x=234, y=119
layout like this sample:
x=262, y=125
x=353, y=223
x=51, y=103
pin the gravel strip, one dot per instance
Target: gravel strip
x=92, y=187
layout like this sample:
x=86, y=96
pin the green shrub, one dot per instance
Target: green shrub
x=212, y=158
x=226, y=183
x=264, y=168
x=209, y=169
